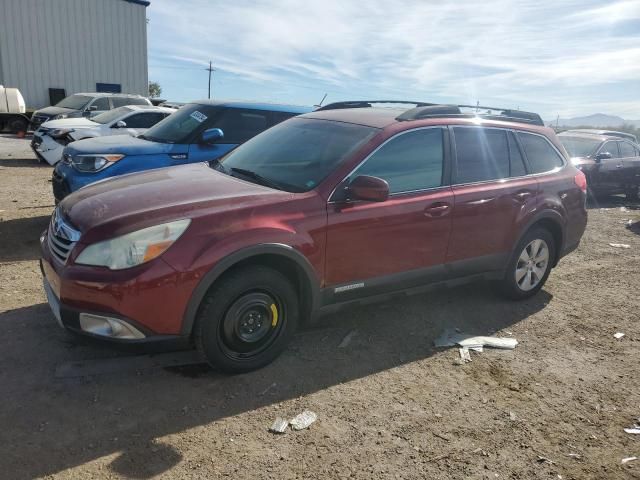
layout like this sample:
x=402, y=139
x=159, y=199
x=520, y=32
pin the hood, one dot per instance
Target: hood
x=122, y=144
x=53, y=111
x=70, y=123
x=116, y=206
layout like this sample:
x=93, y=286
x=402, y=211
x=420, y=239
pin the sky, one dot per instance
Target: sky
x=560, y=57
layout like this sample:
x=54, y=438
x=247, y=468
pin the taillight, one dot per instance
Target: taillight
x=581, y=181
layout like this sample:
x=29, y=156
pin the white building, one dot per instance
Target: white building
x=50, y=49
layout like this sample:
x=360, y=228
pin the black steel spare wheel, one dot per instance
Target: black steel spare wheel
x=246, y=319
x=250, y=324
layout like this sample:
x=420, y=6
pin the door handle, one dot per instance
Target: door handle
x=481, y=201
x=522, y=196
x=437, y=209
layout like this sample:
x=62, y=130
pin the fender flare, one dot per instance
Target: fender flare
x=547, y=214
x=233, y=259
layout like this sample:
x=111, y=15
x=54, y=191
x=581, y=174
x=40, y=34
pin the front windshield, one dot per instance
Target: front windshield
x=181, y=126
x=579, y=146
x=75, y=102
x=111, y=115
x=297, y=154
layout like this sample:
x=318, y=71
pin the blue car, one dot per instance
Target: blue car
x=198, y=132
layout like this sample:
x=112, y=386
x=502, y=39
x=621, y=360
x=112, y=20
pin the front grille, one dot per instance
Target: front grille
x=38, y=119
x=61, y=237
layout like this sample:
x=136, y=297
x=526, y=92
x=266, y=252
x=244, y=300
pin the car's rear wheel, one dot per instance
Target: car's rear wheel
x=530, y=265
x=246, y=319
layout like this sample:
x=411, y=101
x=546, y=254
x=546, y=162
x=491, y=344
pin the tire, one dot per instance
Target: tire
x=246, y=320
x=518, y=287
x=18, y=125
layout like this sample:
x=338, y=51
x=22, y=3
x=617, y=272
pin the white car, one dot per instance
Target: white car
x=51, y=137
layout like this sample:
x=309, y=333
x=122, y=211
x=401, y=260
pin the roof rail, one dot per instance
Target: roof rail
x=368, y=104
x=492, y=113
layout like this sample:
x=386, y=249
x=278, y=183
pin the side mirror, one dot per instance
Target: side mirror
x=603, y=156
x=211, y=136
x=120, y=124
x=92, y=108
x=369, y=189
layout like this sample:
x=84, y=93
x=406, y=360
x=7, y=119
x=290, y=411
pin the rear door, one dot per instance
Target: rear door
x=630, y=157
x=401, y=242
x=491, y=196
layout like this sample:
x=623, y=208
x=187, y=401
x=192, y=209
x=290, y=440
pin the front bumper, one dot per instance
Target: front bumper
x=149, y=298
x=46, y=148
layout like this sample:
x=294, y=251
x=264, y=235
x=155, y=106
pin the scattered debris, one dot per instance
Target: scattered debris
x=624, y=209
x=542, y=459
x=303, y=420
x=628, y=223
x=577, y=456
x=628, y=459
x=618, y=335
x=347, y=339
x=634, y=431
x=464, y=355
x=476, y=343
x=620, y=245
x=279, y=425
x=512, y=416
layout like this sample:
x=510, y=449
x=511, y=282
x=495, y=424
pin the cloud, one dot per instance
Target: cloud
x=521, y=52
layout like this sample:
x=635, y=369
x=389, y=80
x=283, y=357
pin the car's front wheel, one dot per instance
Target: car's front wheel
x=246, y=319
x=530, y=265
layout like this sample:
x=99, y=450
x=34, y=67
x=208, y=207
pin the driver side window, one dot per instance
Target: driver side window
x=101, y=104
x=612, y=148
x=408, y=162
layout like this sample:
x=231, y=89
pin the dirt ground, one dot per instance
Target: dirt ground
x=389, y=404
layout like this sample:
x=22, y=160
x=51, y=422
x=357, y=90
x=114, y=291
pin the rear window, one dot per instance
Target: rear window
x=481, y=154
x=542, y=157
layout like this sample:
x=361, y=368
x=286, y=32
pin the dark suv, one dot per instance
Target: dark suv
x=347, y=203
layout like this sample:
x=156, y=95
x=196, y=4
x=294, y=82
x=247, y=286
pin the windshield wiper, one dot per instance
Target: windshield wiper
x=257, y=177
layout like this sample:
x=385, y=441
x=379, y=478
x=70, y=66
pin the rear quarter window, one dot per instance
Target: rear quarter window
x=541, y=155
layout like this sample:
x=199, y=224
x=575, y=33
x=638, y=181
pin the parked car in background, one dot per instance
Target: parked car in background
x=200, y=131
x=85, y=105
x=611, y=133
x=51, y=137
x=329, y=208
x=610, y=162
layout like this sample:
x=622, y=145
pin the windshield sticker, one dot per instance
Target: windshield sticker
x=200, y=117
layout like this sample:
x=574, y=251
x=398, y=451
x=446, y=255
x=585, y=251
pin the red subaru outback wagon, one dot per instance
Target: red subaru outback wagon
x=346, y=203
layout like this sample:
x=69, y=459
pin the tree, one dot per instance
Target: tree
x=155, y=90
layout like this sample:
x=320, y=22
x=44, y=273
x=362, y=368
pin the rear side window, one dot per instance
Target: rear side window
x=121, y=101
x=101, y=103
x=541, y=155
x=240, y=125
x=611, y=148
x=408, y=162
x=517, y=162
x=143, y=120
x=627, y=150
x=481, y=154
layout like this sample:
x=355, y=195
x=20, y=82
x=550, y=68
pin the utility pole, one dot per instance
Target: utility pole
x=210, y=70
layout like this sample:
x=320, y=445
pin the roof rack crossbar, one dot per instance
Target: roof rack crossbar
x=368, y=104
x=492, y=113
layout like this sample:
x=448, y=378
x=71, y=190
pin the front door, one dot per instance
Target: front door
x=608, y=174
x=401, y=242
x=630, y=156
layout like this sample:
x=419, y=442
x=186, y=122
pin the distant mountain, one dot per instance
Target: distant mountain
x=598, y=120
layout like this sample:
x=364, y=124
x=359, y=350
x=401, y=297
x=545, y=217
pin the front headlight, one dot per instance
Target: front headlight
x=133, y=248
x=60, y=116
x=94, y=163
x=59, y=132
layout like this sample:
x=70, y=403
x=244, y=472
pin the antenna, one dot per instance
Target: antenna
x=210, y=70
x=321, y=101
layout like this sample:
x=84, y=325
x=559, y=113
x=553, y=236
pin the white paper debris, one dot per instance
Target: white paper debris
x=450, y=339
x=464, y=355
x=279, y=425
x=620, y=245
x=633, y=431
x=618, y=335
x=628, y=459
x=303, y=420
